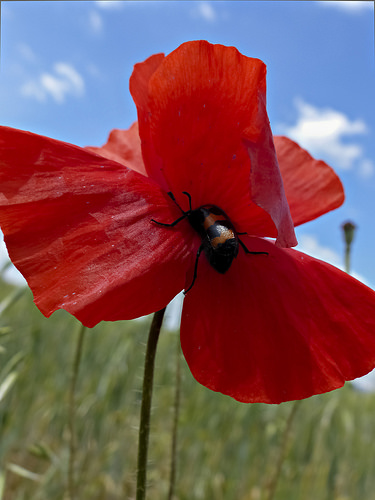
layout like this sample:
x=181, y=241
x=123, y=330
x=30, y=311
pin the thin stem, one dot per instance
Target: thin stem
x=349, y=231
x=177, y=398
x=72, y=413
x=282, y=451
x=144, y=426
x=347, y=258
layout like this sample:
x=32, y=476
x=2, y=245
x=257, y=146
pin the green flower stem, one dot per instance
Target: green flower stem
x=72, y=413
x=347, y=258
x=349, y=230
x=144, y=426
x=176, y=411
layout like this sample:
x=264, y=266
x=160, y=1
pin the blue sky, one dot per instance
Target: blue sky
x=65, y=68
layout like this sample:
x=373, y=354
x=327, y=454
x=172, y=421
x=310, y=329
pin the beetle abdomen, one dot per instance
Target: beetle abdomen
x=219, y=238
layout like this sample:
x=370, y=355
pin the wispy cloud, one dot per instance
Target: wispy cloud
x=27, y=53
x=204, y=10
x=347, y=6
x=309, y=244
x=324, y=132
x=109, y=4
x=366, y=168
x=62, y=81
x=95, y=22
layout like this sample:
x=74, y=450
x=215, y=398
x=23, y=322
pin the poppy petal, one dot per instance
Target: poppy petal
x=277, y=327
x=138, y=85
x=311, y=186
x=204, y=118
x=78, y=227
x=123, y=146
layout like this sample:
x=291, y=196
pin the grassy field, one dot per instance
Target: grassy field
x=317, y=449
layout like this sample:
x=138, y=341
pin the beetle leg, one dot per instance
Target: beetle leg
x=185, y=214
x=248, y=251
x=195, y=269
x=172, y=223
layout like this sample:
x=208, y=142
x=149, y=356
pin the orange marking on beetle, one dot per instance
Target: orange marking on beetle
x=211, y=219
x=226, y=234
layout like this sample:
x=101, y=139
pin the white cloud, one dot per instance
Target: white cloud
x=26, y=52
x=93, y=70
x=109, y=4
x=96, y=22
x=366, y=168
x=347, y=6
x=322, y=131
x=63, y=81
x=33, y=89
x=204, y=10
x=309, y=244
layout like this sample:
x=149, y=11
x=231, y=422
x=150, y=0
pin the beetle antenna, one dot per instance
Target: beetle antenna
x=171, y=195
x=188, y=195
x=184, y=214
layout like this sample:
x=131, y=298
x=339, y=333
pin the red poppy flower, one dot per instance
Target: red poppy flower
x=78, y=224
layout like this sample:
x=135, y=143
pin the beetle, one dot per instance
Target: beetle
x=220, y=240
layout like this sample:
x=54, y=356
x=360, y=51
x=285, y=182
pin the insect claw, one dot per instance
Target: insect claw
x=246, y=250
x=195, y=270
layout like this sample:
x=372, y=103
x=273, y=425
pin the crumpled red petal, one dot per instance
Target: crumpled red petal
x=123, y=146
x=202, y=112
x=138, y=85
x=311, y=186
x=277, y=327
x=78, y=227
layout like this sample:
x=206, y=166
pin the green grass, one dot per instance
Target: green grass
x=226, y=450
